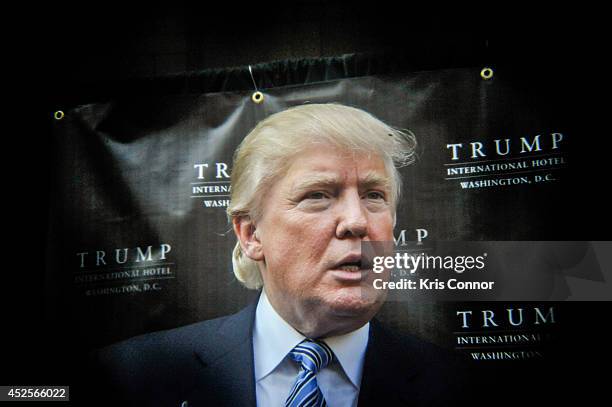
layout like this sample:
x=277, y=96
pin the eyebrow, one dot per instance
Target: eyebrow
x=374, y=179
x=316, y=181
x=370, y=180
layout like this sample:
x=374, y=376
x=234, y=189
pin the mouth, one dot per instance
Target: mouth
x=349, y=266
x=350, y=269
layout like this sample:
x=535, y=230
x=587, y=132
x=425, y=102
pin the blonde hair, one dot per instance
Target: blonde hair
x=265, y=155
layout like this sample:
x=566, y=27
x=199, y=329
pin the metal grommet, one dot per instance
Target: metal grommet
x=257, y=97
x=486, y=73
x=59, y=115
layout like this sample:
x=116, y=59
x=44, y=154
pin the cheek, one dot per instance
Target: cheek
x=311, y=238
x=382, y=228
x=304, y=244
x=313, y=249
x=297, y=240
x=307, y=228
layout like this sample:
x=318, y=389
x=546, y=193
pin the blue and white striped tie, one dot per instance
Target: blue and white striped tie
x=312, y=357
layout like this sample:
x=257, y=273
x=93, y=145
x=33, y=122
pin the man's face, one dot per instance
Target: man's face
x=314, y=220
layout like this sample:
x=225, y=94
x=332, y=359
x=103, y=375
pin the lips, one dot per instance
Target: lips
x=349, y=270
x=351, y=262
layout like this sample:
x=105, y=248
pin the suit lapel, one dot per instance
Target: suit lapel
x=227, y=375
x=387, y=370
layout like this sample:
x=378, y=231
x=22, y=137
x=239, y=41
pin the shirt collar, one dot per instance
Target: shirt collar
x=274, y=338
x=350, y=351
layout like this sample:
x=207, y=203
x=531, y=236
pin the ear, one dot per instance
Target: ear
x=249, y=241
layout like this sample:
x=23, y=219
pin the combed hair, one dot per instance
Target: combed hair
x=265, y=154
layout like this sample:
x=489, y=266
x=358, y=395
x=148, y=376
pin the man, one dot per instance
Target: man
x=309, y=186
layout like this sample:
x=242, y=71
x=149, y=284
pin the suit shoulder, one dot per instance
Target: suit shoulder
x=435, y=375
x=154, y=365
x=172, y=340
x=412, y=345
x=430, y=360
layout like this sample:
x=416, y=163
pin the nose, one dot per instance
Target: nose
x=352, y=218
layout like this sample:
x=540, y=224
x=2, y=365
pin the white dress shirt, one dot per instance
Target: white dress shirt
x=275, y=372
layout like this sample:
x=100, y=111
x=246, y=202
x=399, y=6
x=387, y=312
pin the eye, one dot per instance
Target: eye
x=316, y=195
x=375, y=195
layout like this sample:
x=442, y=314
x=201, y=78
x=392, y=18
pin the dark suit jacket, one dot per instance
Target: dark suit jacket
x=211, y=364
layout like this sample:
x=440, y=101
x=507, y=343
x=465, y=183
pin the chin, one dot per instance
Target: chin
x=355, y=301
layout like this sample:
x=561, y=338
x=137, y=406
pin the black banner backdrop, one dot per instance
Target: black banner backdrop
x=139, y=240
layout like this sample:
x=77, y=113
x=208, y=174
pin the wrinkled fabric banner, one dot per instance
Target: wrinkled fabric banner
x=139, y=240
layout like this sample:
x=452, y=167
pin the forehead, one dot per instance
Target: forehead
x=331, y=164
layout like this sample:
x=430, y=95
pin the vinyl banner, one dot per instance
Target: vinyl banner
x=140, y=241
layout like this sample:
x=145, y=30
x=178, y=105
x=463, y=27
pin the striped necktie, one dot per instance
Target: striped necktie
x=312, y=356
